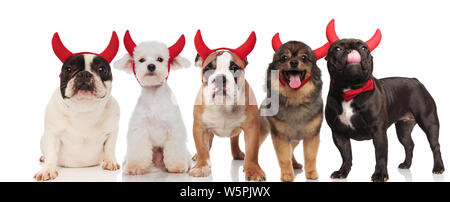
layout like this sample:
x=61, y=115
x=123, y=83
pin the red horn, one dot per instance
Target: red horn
x=331, y=32
x=129, y=43
x=176, y=48
x=60, y=50
x=322, y=51
x=276, y=42
x=200, y=46
x=247, y=47
x=110, y=52
x=374, y=41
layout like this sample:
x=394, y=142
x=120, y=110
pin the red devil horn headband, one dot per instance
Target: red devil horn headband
x=174, y=50
x=372, y=42
x=241, y=52
x=320, y=52
x=63, y=53
x=129, y=43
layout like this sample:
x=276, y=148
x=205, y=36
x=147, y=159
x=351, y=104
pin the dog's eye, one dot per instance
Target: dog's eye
x=338, y=49
x=101, y=69
x=234, y=67
x=363, y=48
x=304, y=58
x=160, y=59
x=284, y=58
x=68, y=69
x=142, y=60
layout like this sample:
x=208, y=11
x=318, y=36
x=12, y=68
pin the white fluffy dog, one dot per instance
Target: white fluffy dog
x=156, y=132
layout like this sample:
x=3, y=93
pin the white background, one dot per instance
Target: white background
x=415, y=44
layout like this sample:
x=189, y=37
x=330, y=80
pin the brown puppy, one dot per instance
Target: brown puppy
x=293, y=110
x=225, y=106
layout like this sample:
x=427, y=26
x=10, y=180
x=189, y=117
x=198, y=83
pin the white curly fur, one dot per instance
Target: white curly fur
x=156, y=120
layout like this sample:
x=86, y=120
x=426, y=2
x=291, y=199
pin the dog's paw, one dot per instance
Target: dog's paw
x=340, y=174
x=380, y=177
x=312, y=175
x=438, y=169
x=46, y=173
x=136, y=169
x=404, y=165
x=200, y=171
x=287, y=176
x=180, y=167
x=296, y=165
x=110, y=165
x=254, y=173
x=239, y=156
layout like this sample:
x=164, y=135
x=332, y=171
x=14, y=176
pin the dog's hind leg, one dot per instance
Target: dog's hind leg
x=430, y=125
x=404, y=129
x=295, y=164
x=264, y=128
x=235, y=150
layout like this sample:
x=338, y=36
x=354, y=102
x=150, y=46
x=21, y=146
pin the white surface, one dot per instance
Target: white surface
x=415, y=44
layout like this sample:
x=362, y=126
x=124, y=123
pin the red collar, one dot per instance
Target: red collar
x=301, y=85
x=350, y=94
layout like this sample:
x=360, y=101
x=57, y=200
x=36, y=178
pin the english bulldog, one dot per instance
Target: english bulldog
x=225, y=106
x=82, y=117
x=362, y=107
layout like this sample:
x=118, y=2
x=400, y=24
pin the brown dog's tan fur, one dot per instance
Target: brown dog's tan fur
x=203, y=134
x=300, y=112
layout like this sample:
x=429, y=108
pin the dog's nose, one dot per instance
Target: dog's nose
x=151, y=67
x=84, y=76
x=294, y=63
x=220, y=81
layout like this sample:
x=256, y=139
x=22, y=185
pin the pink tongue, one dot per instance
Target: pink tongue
x=353, y=57
x=294, y=81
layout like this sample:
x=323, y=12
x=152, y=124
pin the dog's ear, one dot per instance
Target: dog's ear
x=179, y=62
x=125, y=64
x=198, y=61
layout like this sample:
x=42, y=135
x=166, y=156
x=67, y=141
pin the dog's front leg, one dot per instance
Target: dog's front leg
x=381, y=151
x=202, y=167
x=139, y=156
x=283, y=149
x=251, y=166
x=109, y=147
x=50, y=146
x=176, y=155
x=344, y=147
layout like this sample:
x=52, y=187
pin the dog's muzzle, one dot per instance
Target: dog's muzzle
x=220, y=84
x=83, y=81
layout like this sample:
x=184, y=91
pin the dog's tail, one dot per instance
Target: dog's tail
x=264, y=128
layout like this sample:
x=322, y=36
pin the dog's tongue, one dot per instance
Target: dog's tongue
x=294, y=81
x=353, y=57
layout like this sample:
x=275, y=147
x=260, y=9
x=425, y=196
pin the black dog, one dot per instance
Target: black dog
x=361, y=107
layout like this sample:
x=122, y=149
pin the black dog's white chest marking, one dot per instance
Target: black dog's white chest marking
x=347, y=112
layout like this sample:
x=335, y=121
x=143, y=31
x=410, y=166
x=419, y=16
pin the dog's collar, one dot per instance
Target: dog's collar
x=350, y=94
x=301, y=85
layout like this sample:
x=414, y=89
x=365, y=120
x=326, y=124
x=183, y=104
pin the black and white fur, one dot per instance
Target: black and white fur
x=82, y=118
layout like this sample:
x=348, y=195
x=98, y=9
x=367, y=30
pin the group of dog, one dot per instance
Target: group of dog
x=81, y=122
